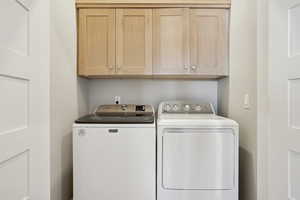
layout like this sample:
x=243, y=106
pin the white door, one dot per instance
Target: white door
x=284, y=70
x=24, y=100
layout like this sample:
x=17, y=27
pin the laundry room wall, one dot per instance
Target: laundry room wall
x=151, y=91
x=242, y=81
x=69, y=97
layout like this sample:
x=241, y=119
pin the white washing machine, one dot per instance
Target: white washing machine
x=197, y=153
x=114, y=154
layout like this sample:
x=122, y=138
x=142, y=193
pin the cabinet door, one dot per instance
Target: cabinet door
x=170, y=39
x=134, y=41
x=96, y=42
x=209, y=41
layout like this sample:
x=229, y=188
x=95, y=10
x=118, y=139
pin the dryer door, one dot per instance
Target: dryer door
x=198, y=159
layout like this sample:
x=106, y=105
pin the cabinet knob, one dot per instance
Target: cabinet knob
x=193, y=68
x=186, y=67
x=111, y=67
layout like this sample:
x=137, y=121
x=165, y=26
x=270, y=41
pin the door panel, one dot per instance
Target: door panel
x=170, y=39
x=294, y=175
x=209, y=41
x=134, y=41
x=24, y=102
x=284, y=62
x=15, y=101
x=294, y=100
x=14, y=38
x=198, y=159
x=294, y=32
x=96, y=42
x=15, y=167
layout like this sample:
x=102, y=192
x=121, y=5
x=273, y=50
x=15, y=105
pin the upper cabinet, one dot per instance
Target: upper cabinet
x=190, y=42
x=163, y=42
x=171, y=41
x=209, y=41
x=134, y=42
x=96, y=53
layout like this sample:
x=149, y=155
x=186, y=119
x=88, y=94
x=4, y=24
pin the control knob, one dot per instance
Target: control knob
x=186, y=108
x=167, y=107
x=175, y=108
x=198, y=108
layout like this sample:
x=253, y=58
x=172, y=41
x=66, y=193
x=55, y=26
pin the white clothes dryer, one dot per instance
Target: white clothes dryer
x=197, y=153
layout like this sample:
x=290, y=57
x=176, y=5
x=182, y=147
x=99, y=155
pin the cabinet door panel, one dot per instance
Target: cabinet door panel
x=209, y=41
x=170, y=38
x=134, y=41
x=96, y=41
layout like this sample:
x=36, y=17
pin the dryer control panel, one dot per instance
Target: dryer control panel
x=178, y=107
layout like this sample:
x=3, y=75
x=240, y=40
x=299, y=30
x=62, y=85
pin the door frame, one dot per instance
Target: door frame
x=263, y=118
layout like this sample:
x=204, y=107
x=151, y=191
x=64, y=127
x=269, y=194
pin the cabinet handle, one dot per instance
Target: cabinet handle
x=186, y=67
x=111, y=67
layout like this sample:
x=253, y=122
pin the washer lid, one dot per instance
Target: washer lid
x=120, y=114
x=97, y=119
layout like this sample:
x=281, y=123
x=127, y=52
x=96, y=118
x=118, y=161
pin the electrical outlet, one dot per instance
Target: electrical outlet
x=117, y=100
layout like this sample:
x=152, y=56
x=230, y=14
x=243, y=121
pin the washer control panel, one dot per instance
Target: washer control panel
x=187, y=108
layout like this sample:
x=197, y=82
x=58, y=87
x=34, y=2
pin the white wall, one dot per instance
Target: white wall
x=83, y=96
x=150, y=91
x=64, y=106
x=243, y=80
x=223, y=96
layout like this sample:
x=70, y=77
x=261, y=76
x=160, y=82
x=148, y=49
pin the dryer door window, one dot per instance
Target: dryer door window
x=198, y=159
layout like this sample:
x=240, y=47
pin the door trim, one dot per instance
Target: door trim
x=262, y=100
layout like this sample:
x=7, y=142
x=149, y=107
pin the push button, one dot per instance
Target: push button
x=140, y=108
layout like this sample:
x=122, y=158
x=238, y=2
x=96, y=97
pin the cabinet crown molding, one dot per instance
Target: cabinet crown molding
x=153, y=3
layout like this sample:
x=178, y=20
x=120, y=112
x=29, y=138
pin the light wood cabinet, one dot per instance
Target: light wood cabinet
x=171, y=41
x=134, y=41
x=190, y=41
x=96, y=51
x=209, y=41
x=153, y=42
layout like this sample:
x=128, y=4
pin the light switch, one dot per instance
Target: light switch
x=26, y=198
x=246, y=102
